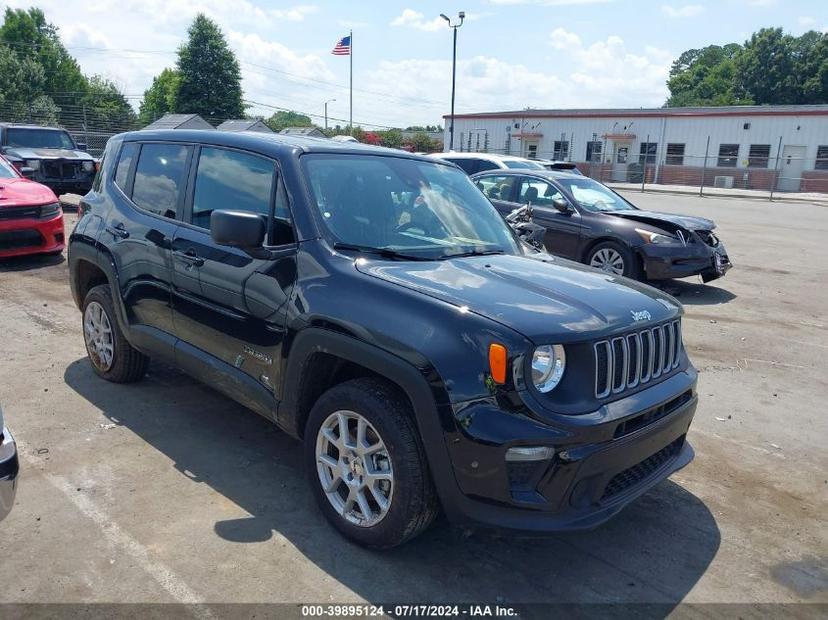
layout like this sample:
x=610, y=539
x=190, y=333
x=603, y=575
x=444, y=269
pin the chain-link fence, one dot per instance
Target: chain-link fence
x=89, y=125
x=748, y=169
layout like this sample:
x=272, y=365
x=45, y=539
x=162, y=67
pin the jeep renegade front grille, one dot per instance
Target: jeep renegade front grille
x=632, y=359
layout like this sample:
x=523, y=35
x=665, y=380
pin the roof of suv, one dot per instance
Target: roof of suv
x=272, y=143
x=550, y=174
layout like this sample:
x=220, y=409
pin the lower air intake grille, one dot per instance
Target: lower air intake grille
x=643, y=470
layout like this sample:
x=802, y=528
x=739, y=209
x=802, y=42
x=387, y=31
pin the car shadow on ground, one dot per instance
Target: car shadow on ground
x=694, y=293
x=30, y=262
x=653, y=552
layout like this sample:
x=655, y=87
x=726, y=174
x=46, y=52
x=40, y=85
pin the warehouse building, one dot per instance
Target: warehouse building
x=752, y=147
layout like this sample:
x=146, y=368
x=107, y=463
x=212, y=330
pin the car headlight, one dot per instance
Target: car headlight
x=88, y=166
x=548, y=364
x=650, y=236
x=50, y=210
x=34, y=164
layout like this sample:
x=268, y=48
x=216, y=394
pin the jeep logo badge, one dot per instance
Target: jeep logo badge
x=641, y=315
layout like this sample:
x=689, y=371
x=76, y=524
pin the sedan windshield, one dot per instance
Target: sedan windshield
x=39, y=139
x=404, y=207
x=593, y=196
x=6, y=171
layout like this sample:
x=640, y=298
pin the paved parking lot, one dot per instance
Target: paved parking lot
x=165, y=491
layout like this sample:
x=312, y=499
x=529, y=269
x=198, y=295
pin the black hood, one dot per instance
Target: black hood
x=549, y=300
x=656, y=218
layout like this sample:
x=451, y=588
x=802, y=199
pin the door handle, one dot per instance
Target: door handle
x=118, y=231
x=190, y=256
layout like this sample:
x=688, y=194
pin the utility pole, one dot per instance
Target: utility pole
x=326, y=112
x=454, y=27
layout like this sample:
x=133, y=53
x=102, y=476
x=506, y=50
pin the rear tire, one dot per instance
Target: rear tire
x=615, y=259
x=111, y=356
x=384, y=463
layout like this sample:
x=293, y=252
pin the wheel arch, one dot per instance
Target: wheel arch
x=636, y=251
x=318, y=354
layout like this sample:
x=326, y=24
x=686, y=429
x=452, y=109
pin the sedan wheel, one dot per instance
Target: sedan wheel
x=609, y=260
x=97, y=332
x=354, y=468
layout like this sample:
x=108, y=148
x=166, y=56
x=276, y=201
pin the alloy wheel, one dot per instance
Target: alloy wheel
x=354, y=468
x=609, y=260
x=97, y=332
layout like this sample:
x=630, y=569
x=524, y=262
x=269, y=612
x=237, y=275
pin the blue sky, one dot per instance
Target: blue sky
x=511, y=53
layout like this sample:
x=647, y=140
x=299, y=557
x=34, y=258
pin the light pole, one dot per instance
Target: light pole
x=326, y=112
x=454, y=27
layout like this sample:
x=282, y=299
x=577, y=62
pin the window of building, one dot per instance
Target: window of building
x=675, y=154
x=822, y=157
x=159, y=176
x=647, y=154
x=560, y=150
x=728, y=155
x=128, y=153
x=593, y=151
x=758, y=155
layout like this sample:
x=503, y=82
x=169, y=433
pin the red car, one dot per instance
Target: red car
x=31, y=220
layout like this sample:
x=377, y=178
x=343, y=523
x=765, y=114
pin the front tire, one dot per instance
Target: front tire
x=367, y=466
x=111, y=356
x=615, y=259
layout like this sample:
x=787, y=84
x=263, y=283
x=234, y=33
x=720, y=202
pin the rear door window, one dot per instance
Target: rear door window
x=160, y=178
x=469, y=165
x=125, y=159
x=497, y=187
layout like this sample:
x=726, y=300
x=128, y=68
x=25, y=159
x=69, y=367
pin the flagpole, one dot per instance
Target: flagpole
x=351, y=119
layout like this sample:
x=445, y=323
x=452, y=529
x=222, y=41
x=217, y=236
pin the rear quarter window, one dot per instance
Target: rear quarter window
x=125, y=159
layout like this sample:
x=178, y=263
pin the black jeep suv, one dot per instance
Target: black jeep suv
x=52, y=156
x=375, y=305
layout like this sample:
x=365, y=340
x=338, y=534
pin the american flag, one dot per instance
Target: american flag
x=343, y=47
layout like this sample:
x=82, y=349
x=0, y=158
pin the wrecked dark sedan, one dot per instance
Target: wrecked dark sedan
x=588, y=222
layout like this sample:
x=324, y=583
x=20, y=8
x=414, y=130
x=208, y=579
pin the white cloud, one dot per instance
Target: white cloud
x=549, y=2
x=687, y=10
x=560, y=39
x=762, y=2
x=807, y=22
x=413, y=19
x=294, y=14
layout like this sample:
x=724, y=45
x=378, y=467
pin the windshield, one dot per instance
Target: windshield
x=417, y=208
x=39, y=138
x=593, y=196
x=523, y=163
x=6, y=171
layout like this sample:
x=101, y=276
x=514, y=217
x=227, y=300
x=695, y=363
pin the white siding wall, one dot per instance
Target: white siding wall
x=808, y=131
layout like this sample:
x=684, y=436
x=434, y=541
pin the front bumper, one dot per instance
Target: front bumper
x=603, y=461
x=667, y=262
x=9, y=468
x=31, y=236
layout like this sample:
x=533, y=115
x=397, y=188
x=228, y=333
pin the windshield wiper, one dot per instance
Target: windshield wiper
x=473, y=253
x=384, y=252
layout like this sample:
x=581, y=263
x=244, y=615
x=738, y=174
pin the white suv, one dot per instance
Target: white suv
x=473, y=163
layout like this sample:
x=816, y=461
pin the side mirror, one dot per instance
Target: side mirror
x=82, y=146
x=27, y=172
x=561, y=205
x=240, y=229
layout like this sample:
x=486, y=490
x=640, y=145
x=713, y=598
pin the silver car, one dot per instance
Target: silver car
x=9, y=468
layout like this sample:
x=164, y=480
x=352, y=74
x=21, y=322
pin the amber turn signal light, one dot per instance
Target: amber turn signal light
x=497, y=362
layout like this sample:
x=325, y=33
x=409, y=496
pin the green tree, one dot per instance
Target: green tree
x=706, y=77
x=391, y=138
x=422, y=142
x=765, y=67
x=160, y=98
x=210, y=78
x=30, y=36
x=283, y=119
x=105, y=107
